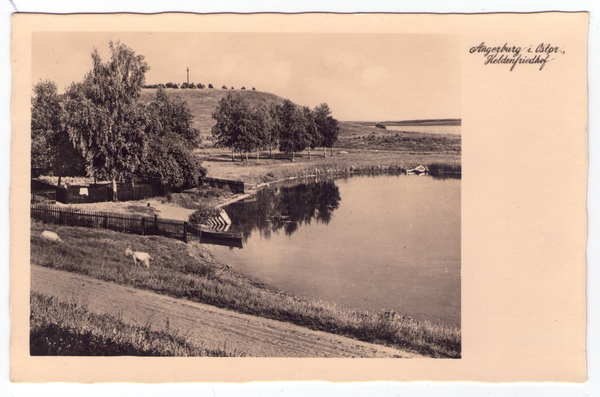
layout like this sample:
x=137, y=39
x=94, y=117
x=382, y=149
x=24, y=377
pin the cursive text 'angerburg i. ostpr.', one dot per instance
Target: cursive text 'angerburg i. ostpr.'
x=513, y=55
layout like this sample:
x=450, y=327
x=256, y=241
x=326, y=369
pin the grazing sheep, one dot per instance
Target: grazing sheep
x=48, y=235
x=139, y=256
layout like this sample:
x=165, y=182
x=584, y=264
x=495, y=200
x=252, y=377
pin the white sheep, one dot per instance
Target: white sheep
x=48, y=235
x=139, y=256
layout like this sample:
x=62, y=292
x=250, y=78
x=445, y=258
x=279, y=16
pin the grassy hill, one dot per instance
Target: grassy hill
x=205, y=101
x=353, y=134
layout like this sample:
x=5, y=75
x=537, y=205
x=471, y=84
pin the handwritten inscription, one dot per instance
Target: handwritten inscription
x=513, y=55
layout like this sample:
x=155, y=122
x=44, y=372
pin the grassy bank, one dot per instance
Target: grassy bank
x=70, y=329
x=219, y=164
x=187, y=271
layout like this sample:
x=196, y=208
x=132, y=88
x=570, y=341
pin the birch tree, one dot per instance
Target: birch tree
x=104, y=119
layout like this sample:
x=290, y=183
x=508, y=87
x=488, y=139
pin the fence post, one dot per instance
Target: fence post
x=143, y=227
x=60, y=218
x=185, y=239
x=106, y=221
x=156, y=223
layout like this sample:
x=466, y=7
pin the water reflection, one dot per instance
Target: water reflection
x=285, y=208
x=392, y=243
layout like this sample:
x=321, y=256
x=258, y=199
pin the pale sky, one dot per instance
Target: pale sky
x=370, y=77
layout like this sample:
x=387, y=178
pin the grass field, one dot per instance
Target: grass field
x=70, y=329
x=219, y=165
x=187, y=271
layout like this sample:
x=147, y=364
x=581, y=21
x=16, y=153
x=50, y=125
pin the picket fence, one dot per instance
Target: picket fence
x=113, y=221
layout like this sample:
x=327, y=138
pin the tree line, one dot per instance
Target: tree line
x=245, y=129
x=101, y=129
x=185, y=85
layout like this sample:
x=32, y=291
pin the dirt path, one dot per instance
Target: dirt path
x=205, y=324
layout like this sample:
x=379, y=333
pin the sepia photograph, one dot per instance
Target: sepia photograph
x=240, y=198
x=245, y=195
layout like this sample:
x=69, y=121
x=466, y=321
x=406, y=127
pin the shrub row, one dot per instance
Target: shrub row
x=192, y=86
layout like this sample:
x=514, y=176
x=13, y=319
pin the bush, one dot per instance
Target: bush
x=379, y=125
x=224, y=87
x=203, y=214
x=253, y=89
x=243, y=88
x=226, y=191
x=210, y=86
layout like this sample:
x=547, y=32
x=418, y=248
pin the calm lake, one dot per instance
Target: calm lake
x=364, y=242
x=430, y=129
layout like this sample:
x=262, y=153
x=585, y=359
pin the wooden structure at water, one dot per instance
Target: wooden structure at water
x=136, y=224
x=234, y=186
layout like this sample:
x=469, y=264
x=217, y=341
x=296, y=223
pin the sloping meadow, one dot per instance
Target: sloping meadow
x=187, y=271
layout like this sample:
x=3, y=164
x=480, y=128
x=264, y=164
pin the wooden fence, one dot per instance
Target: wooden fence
x=95, y=193
x=103, y=192
x=112, y=221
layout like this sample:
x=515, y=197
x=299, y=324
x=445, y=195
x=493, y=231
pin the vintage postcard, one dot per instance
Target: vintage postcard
x=260, y=197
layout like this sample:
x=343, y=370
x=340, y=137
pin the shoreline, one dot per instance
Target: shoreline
x=174, y=211
x=182, y=272
x=240, y=262
x=333, y=173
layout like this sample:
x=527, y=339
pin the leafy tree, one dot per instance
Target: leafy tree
x=225, y=130
x=172, y=139
x=45, y=120
x=184, y=85
x=294, y=137
x=314, y=135
x=210, y=86
x=252, y=131
x=52, y=151
x=327, y=126
x=253, y=89
x=224, y=87
x=238, y=126
x=272, y=127
x=243, y=88
x=104, y=119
